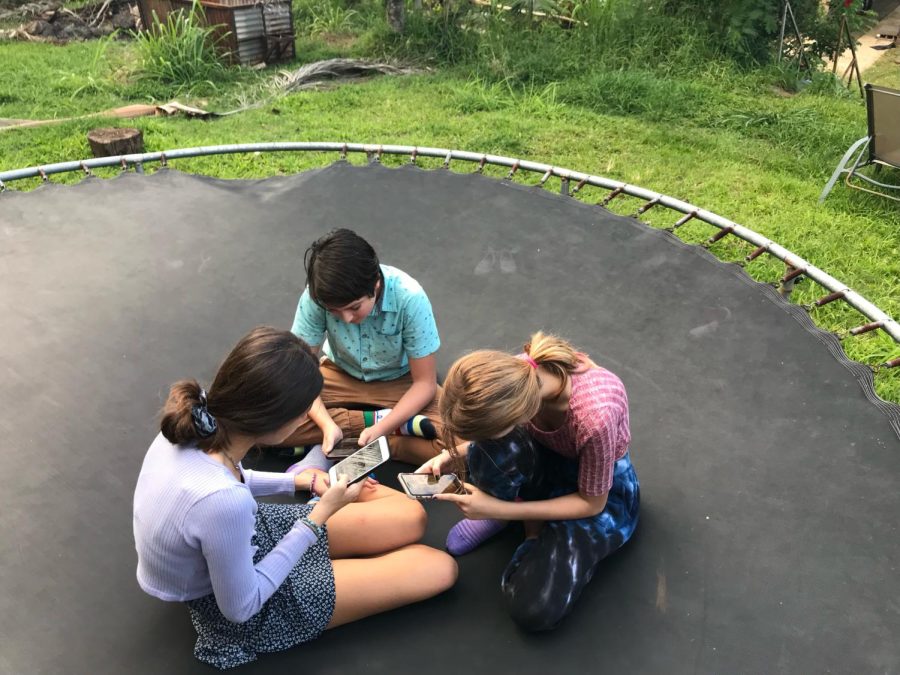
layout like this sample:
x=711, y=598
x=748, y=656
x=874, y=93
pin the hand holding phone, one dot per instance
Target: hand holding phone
x=436, y=465
x=343, y=449
x=362, y=462
x=336, y=497
x=427, y=486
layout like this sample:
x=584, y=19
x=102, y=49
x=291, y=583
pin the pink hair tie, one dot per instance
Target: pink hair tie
x=531, y=362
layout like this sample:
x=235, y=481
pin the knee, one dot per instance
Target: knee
x=533, y=601
x=414, y=519
x=434, y=571
x=446, y=571
x=535, y=614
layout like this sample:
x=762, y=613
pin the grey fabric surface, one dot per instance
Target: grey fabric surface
x=769, y=473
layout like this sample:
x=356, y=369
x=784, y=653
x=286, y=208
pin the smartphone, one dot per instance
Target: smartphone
x=362, y=462
x=344, y=449
x=427, y=485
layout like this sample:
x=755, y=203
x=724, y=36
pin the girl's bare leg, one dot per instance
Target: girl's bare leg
x=367, y=586
x=383, y=520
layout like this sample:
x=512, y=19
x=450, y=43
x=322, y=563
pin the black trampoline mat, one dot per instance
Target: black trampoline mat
x=769, y=470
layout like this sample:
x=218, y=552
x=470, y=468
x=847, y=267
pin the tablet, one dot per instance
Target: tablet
x=362, y=462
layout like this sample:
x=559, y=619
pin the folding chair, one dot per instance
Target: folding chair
x=882, y=144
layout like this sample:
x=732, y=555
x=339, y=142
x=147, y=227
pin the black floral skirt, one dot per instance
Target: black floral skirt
x=297, y=612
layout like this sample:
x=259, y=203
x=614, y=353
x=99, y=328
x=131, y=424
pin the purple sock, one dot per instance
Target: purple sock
x=314, y=459
x=467, y=535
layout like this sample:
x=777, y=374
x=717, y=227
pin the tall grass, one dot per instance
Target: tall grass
x=181, y=52
x=602, y=34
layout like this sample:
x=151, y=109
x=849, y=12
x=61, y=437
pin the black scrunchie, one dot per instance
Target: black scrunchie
x=204, y=424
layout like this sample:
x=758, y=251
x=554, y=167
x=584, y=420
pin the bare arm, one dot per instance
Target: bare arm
x=331, y=432
x=420, y=393
x=478, y=505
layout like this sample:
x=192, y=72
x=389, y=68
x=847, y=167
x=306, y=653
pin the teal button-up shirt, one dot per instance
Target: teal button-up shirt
x=400, y=327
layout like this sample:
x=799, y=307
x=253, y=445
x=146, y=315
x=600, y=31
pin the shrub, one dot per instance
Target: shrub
x=181, y=52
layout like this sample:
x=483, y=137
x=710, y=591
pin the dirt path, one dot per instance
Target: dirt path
x=871, y=47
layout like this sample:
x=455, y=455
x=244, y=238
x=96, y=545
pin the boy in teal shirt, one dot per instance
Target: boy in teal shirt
x=375, y=329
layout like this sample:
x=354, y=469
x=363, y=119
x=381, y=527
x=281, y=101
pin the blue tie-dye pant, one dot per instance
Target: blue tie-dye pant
x=546, y=575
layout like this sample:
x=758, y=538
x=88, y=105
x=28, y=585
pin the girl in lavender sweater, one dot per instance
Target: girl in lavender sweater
x=260, y=577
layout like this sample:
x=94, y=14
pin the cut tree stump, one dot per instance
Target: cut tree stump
x=108, y=142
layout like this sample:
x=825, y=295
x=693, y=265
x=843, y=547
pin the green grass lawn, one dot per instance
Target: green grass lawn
x=731, y=143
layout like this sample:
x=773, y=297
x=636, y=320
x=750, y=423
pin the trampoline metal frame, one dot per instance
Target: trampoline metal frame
x=795, y=265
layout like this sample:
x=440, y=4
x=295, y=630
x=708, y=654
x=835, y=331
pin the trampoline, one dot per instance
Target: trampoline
x=768, y=539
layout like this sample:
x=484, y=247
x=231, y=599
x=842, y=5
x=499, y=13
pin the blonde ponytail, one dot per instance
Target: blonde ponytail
x=555, y=355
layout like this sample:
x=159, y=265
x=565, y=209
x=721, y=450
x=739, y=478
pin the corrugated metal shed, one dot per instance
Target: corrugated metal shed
x=249, y=32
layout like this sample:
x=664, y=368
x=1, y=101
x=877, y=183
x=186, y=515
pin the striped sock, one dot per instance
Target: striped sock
x=418, y=425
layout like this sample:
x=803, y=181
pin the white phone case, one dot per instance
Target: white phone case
x=362, y=462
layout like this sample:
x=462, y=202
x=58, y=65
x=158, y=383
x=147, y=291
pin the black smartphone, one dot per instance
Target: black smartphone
x=344, y=449
x=426, y=485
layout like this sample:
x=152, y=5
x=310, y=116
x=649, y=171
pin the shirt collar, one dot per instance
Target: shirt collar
x=388, y=299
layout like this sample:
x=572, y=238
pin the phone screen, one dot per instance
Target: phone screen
x=428, y=485
x=360, y=463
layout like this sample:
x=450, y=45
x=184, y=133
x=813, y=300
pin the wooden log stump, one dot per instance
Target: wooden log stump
x=108, y=142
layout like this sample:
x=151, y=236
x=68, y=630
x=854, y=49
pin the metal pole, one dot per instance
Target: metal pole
x=781, y=34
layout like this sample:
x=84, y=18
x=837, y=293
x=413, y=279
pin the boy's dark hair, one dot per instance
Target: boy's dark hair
x=340, y=267
x=268, y=379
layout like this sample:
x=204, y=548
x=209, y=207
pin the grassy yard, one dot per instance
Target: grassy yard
x=732, y=142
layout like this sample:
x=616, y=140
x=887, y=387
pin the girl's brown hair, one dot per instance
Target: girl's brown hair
x=487, y=391
x=268, y=379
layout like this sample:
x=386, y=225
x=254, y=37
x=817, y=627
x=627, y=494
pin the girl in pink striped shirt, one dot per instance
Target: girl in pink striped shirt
x=547, y=435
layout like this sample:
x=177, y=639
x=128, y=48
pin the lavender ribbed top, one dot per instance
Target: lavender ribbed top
x=192, y=527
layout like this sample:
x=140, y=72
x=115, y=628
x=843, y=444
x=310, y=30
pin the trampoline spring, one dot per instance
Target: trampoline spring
x=612, y=195
x=721, y=234
x=685, y=218
x=646, y=207
x=831, y=297
x=43, y=174
x=379, y=154
x=512, y=171
x=413, y=155
x=481, y=164
x=545, y=178
x=343, y=155
x=447, y=160
x=2, y=186
x=756, y=253
x=578, y=187
x=893, y=363
x=163, y=160
x=124, y=164
x=793, y=273
x=86, y=169
x=865, y=328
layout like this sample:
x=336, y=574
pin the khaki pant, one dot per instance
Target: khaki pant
x=344, y=396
